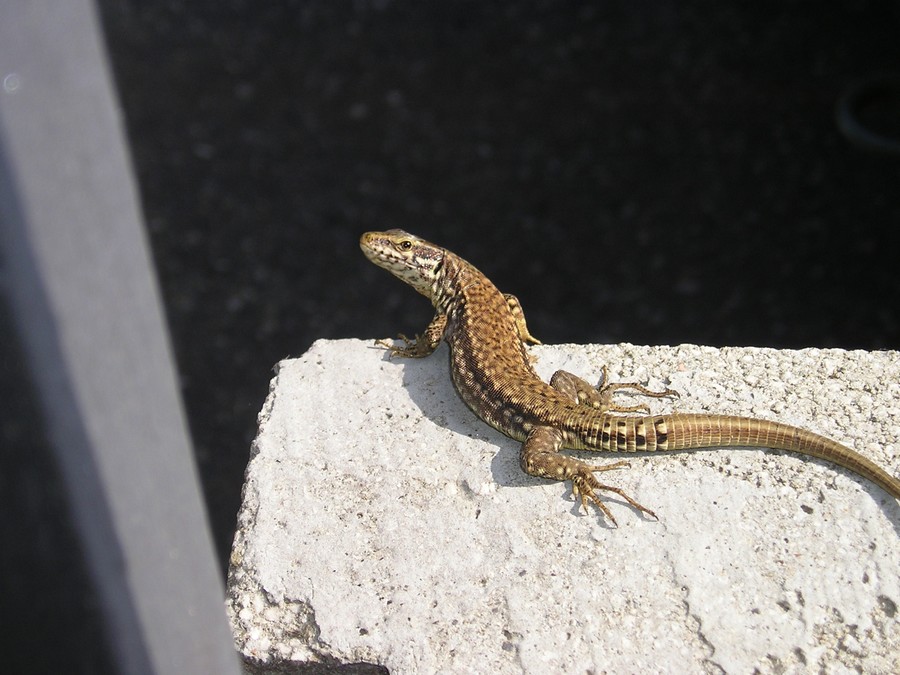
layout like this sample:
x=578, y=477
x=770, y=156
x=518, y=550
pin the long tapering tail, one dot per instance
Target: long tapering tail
x=694, y=432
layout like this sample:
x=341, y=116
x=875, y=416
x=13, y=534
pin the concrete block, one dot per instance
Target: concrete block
x=383, y=523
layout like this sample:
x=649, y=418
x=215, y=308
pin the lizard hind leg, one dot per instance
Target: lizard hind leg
x=601, y=396
x=540, y=457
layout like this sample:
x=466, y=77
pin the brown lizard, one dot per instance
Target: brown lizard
x=492, y=372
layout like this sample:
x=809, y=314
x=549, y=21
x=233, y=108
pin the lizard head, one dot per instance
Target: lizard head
x=406, y=256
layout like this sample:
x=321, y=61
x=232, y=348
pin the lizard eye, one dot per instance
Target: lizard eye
x=405, y=245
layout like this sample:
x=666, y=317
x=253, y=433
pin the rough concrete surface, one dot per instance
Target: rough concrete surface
x=383, y=523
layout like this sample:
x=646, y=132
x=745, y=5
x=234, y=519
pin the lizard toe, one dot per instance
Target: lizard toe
x=583, y=486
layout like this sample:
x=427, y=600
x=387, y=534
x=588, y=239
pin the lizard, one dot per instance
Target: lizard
x=493, y=374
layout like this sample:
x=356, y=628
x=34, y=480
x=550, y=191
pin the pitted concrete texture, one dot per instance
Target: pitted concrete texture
x=383, y=523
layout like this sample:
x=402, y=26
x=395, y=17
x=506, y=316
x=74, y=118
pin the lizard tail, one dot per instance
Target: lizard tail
x=692, y=432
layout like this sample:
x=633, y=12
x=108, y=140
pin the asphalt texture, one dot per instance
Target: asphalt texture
x=655, y=173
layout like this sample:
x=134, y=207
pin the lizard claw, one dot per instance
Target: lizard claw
x=585, y=485
x=583, y=490
x=412, y=348
x=606, y=389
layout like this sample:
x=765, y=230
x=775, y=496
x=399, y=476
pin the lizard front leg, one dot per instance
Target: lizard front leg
x=423, y=345
x=515, y=308
x=540, y=457
x=600, y=397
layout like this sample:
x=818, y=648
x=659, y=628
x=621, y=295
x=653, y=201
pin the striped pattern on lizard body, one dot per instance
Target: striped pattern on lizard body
x=486, y=332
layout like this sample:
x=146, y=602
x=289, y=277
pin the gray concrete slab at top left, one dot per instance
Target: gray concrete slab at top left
x=83, y=290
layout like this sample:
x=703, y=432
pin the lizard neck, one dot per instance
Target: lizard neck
x=455, y=282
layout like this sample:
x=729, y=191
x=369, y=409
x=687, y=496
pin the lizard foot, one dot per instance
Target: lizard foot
x=585, y=486
x=606, y=389
x=422, y=345
x=412, y=349
x=601, y=396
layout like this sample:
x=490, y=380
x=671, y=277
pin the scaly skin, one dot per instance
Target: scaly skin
x=491, y=370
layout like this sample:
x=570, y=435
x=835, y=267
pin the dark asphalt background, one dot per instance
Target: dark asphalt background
x=655, y=173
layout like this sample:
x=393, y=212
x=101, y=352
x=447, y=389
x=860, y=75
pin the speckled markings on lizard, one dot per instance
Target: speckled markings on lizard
x=490, y=368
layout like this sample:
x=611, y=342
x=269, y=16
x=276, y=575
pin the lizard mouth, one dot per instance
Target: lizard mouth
x=383, y=254
x=383, y=257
